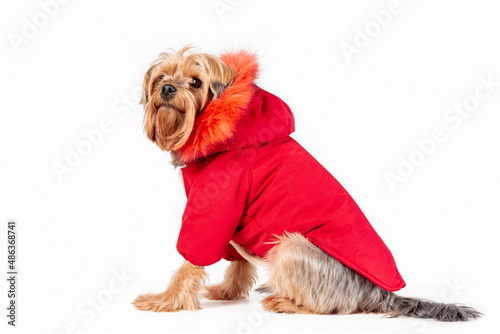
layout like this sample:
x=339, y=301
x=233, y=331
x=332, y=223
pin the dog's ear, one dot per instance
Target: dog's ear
x=149, y=122
x=146, y=83
x=217, y=88
x=149, y=115
x=219, y=75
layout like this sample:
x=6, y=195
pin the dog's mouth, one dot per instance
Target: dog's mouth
x=168, y=107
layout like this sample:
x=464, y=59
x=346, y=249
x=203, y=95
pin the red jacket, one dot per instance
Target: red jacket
x=247, y=180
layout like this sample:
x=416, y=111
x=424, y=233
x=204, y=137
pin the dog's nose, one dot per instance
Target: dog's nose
x=168, y=91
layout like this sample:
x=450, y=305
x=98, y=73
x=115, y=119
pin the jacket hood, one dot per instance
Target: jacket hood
x=243, y=115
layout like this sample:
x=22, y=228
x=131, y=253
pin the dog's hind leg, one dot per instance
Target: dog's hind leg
x=238, y=280
x=304, y=279
x=302, y=274
x=278, y=304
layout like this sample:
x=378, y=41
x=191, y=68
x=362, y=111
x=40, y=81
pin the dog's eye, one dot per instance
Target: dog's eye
x=196, y=83
x=159, y=79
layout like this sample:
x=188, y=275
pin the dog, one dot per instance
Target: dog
x=256, y=197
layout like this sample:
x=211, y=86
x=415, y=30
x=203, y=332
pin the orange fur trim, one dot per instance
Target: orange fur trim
x=217, y=121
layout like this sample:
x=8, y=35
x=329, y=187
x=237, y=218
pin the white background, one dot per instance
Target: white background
x=118, y=209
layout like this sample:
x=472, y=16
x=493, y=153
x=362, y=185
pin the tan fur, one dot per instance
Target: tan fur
x=238, y=280
x=169, y=123
x=181, y=294
x=275, y=303
x=250, y=257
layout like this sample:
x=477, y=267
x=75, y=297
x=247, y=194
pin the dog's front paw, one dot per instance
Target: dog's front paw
x=222, y=292
x=165, y=302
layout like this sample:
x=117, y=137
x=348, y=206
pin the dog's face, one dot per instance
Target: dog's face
x=176, y=88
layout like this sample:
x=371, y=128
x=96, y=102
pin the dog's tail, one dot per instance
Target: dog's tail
x=397, y=306
x=250, y=257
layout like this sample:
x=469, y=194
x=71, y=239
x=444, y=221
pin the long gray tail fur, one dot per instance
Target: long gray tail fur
x=399, y=306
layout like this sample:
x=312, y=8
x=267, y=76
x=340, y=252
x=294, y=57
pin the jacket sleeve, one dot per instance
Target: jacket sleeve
x=215, y=204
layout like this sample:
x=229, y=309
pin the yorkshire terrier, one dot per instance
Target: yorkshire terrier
x=255, y=196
